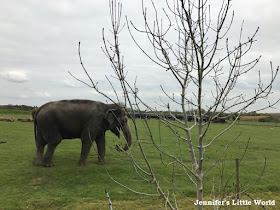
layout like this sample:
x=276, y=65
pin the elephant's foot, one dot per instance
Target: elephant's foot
x=48, y=163
x=37, y=162
x=38, y=159
x=82, y=163
x=101, y=162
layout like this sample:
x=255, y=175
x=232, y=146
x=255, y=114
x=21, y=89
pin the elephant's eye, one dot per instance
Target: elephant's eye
x=124, y=121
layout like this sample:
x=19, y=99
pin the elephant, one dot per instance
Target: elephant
x=84, y=119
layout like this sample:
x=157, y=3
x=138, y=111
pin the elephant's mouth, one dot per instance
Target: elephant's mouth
x=116, y=131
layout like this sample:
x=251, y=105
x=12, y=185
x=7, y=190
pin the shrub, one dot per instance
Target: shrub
x=269, y=119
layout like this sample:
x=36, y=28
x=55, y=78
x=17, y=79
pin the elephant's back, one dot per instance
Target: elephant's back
x=74, y=107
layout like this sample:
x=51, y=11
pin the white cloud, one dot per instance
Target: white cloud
x=23, y=96
x=44, y=94
x=71, y=84
x=15, y=76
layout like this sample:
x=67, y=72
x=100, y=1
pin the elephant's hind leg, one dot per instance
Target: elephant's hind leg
x=40, y=144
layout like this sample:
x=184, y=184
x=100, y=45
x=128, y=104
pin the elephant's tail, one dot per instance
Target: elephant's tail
x=34, y=114
x=35, y=129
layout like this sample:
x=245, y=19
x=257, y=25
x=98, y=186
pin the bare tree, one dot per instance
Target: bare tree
x=200, y=55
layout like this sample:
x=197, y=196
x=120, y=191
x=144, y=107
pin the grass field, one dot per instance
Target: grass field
x=67, y=186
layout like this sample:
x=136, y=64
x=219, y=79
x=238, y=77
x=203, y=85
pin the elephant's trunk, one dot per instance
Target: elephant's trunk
x=127, y=136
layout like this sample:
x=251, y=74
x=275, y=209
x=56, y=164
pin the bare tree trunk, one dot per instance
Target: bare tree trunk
x=195, y=59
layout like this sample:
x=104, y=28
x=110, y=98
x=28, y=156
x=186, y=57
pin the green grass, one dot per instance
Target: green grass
x=67, y=186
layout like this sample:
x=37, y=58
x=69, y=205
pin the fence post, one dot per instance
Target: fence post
x=237, y=178
x=110, y=203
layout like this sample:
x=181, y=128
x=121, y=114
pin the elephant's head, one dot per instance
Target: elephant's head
x=117, y=120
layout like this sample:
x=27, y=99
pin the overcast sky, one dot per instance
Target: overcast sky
x=39, y=41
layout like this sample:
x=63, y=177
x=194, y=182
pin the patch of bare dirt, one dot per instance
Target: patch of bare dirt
x=252, y=117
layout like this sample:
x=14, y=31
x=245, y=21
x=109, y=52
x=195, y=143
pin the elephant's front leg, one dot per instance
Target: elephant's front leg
x=86, y=145
x=100, y=143
x=88, y=137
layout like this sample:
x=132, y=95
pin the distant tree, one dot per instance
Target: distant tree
x=269, y=119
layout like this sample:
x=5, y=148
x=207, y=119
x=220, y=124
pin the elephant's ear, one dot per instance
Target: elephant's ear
x=110, y=116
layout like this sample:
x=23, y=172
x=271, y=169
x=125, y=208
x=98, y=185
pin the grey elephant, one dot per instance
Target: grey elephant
x=85, y=119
